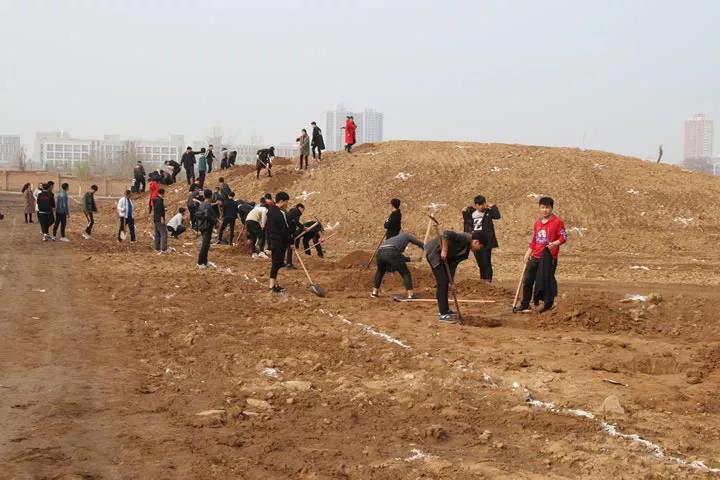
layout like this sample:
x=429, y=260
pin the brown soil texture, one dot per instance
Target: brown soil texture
x=116, y=362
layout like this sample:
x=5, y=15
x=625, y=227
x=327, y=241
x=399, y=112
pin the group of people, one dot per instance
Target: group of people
x=445, y=252
x=55, y=212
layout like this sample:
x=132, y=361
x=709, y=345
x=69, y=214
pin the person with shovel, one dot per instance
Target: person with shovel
x=390, y=258
x=280, y=237
x=444, y=254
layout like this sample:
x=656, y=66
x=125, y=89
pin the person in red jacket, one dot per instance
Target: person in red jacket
x=154, y=187
x=349, y=128
x=541, y=259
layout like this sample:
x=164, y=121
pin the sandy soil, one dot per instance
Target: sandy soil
x=119, y=363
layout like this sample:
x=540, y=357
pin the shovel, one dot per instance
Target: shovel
x=314, y=287
x=435, y=223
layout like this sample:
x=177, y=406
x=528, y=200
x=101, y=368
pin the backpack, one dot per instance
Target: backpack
x=202, y=221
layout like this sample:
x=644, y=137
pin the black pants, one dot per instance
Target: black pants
x=529, y=280
x=278, y=258
x=443, y=286
x=201, y=178
x=139, y=184
x=255, y=235
x=61, y=221
x=91, y=222
x=127, y=222
x=176, y=232
x=303, y=161
x=348, y=147
x=161, y=235
x=28, y=218
x=227, y=222
x=46, y=219
x=259, y=167
x=205, y=247
x=189, y=175
x=174, y=174
x=223, y=164
x=209, y=164
x=392, y=260
x=290, y=252
x=484, y=261
x=316, y=241
x=319, y=152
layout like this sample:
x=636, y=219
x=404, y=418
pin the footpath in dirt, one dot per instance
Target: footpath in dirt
x=141, y=366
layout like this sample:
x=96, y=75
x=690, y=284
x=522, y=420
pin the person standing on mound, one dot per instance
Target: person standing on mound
x=205, y=219
x=445, y=254
x=317, y=141
x=541, y=259
x=350, y=129
x=280, y=237
x=393, y=224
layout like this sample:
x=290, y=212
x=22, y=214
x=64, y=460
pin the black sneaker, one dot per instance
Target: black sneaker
x=277, y=289
x=522, y=309
x=447, y=317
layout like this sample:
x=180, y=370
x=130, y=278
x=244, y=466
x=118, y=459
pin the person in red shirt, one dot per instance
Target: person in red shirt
x=154, y=187
x=349, y=128
x=541, y=258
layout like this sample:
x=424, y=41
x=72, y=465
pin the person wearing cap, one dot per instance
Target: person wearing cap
x=317, y=141
x=393, y=224
x=450, y=249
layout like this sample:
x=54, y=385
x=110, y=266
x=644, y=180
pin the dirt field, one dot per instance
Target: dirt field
x=119, y=363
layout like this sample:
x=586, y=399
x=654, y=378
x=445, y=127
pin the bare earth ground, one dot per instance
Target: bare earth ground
x=119, y=363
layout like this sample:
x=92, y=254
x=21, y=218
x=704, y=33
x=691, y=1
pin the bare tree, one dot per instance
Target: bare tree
x=21, y=159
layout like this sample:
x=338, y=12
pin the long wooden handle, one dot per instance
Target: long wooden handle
x=302, y=264
x=321, y=241
x=375, y=252
x=447, y=269
x=306, y=230
x=520, y=283
x=427, y=232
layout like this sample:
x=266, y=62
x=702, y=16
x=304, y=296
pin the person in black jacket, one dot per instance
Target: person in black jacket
x=296, y=228
x=188, y=163
x=312, y=232
x=161, y=232
x=317, y=141
x=393, y=224
x=230, y=214
x=264, y=160
x=452, y=248
x=46, y=209
x=210, y=158
x=139, y=175
x=205, y=220
x=279, y=235
x=175, y=169
x=480, y=219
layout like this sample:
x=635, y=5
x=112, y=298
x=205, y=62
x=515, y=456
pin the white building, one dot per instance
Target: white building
x=698, y=138
x=59, y=151
x=9, y=147
x=369, y=127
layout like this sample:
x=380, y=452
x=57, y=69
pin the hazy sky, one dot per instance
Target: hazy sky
x=622, y=74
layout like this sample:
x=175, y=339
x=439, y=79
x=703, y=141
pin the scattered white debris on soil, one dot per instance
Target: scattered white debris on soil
x=536, y=195
x=418, y=454
x=632, y=191
x=640, y=267
x=683, y=220
x=434, y=207
x=578, y=230
x=499, y=169
x=463, y=146
x=305, y=195
x=271, y=372
x=403, y=176
x=39, y=290
x=599, y=166
x=635, y=298
x=332, y=226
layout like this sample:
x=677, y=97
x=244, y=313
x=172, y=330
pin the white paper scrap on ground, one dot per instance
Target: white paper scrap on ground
x=403, y=176
x=640, y=267
x=683, y=220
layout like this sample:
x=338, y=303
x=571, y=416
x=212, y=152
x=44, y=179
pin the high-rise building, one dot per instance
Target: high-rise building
x=369, y=127
x=9, y=147
x=698, y=147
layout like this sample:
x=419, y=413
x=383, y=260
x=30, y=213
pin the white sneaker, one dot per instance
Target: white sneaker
x=64, y=239
x=53, y=238
x=262, y=255
x=86, y=236
x=45, y=238
x=255, y=255
x=202, y=267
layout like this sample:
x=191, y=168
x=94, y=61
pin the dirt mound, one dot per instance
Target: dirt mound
x=355, y=259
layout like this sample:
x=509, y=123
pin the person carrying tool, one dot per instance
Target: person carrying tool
x=480, y=218
x=279, y=236
x=390, y=258
x=312, y=232
x=541, y=259
x=444, y=254
x=296, y=228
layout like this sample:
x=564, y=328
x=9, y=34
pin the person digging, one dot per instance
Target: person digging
x=444, y=254
x=390, y=258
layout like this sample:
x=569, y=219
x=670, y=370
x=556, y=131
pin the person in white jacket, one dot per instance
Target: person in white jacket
x=255, y=226
x=126, y=213
x=175, y=225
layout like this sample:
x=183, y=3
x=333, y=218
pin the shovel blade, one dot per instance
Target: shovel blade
x=317, y=290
